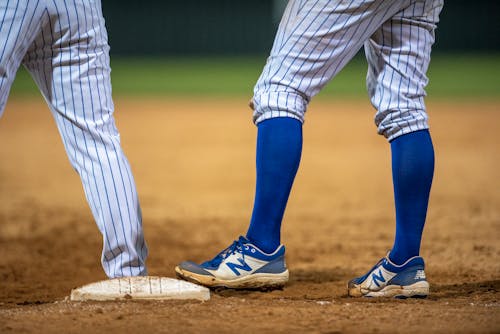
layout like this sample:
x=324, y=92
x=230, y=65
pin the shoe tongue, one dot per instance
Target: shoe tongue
x=237, y=245
x=217, y=259
x=243, y=240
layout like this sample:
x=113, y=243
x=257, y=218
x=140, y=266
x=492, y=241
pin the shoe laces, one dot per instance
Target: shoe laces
x=235, y=247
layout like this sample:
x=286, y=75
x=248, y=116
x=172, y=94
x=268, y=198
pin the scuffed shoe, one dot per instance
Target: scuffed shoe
x=240, y=266
x=387, y=279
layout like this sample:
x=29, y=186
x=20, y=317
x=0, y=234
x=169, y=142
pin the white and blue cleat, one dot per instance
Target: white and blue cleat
x=240, y=266
x=387, y=279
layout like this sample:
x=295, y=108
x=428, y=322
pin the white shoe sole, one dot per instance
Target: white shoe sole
x=252, y=281
x=416, y=290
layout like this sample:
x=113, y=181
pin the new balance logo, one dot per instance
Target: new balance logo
x=235, y=266
x=376, y=278
x=420, y=274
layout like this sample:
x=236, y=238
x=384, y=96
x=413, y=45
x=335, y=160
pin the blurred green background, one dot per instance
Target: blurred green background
x=218, y=48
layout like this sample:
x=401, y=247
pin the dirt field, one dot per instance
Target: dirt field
x=194, y=166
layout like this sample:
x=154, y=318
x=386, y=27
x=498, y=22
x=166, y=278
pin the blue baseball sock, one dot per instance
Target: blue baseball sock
x=279, y=147
x=412, y=171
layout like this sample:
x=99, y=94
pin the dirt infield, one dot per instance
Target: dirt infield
x=194, y=166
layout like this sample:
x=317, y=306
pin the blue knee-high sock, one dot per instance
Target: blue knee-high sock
x=279, y=147
x=412, y=171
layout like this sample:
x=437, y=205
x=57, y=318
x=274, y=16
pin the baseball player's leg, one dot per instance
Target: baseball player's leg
x=279, y=147
x=19, y=22
x=70, y=63
x=398, y=55
x=313, y=43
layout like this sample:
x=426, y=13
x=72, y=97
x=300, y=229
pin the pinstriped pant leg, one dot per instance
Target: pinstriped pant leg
x=315, y=40
x=19, y=24
x=70, y=63
x=398, y=56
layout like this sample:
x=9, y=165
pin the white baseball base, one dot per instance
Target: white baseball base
x=140, y=288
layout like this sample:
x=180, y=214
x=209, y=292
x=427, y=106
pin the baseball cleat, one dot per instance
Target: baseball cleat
x=240, y=266
x=387, y=279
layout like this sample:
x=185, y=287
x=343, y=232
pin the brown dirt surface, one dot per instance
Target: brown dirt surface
x=194, y=166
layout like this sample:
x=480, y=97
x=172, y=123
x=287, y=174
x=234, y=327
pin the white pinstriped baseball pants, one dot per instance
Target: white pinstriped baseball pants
x=63, y=44
x=317, y=38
